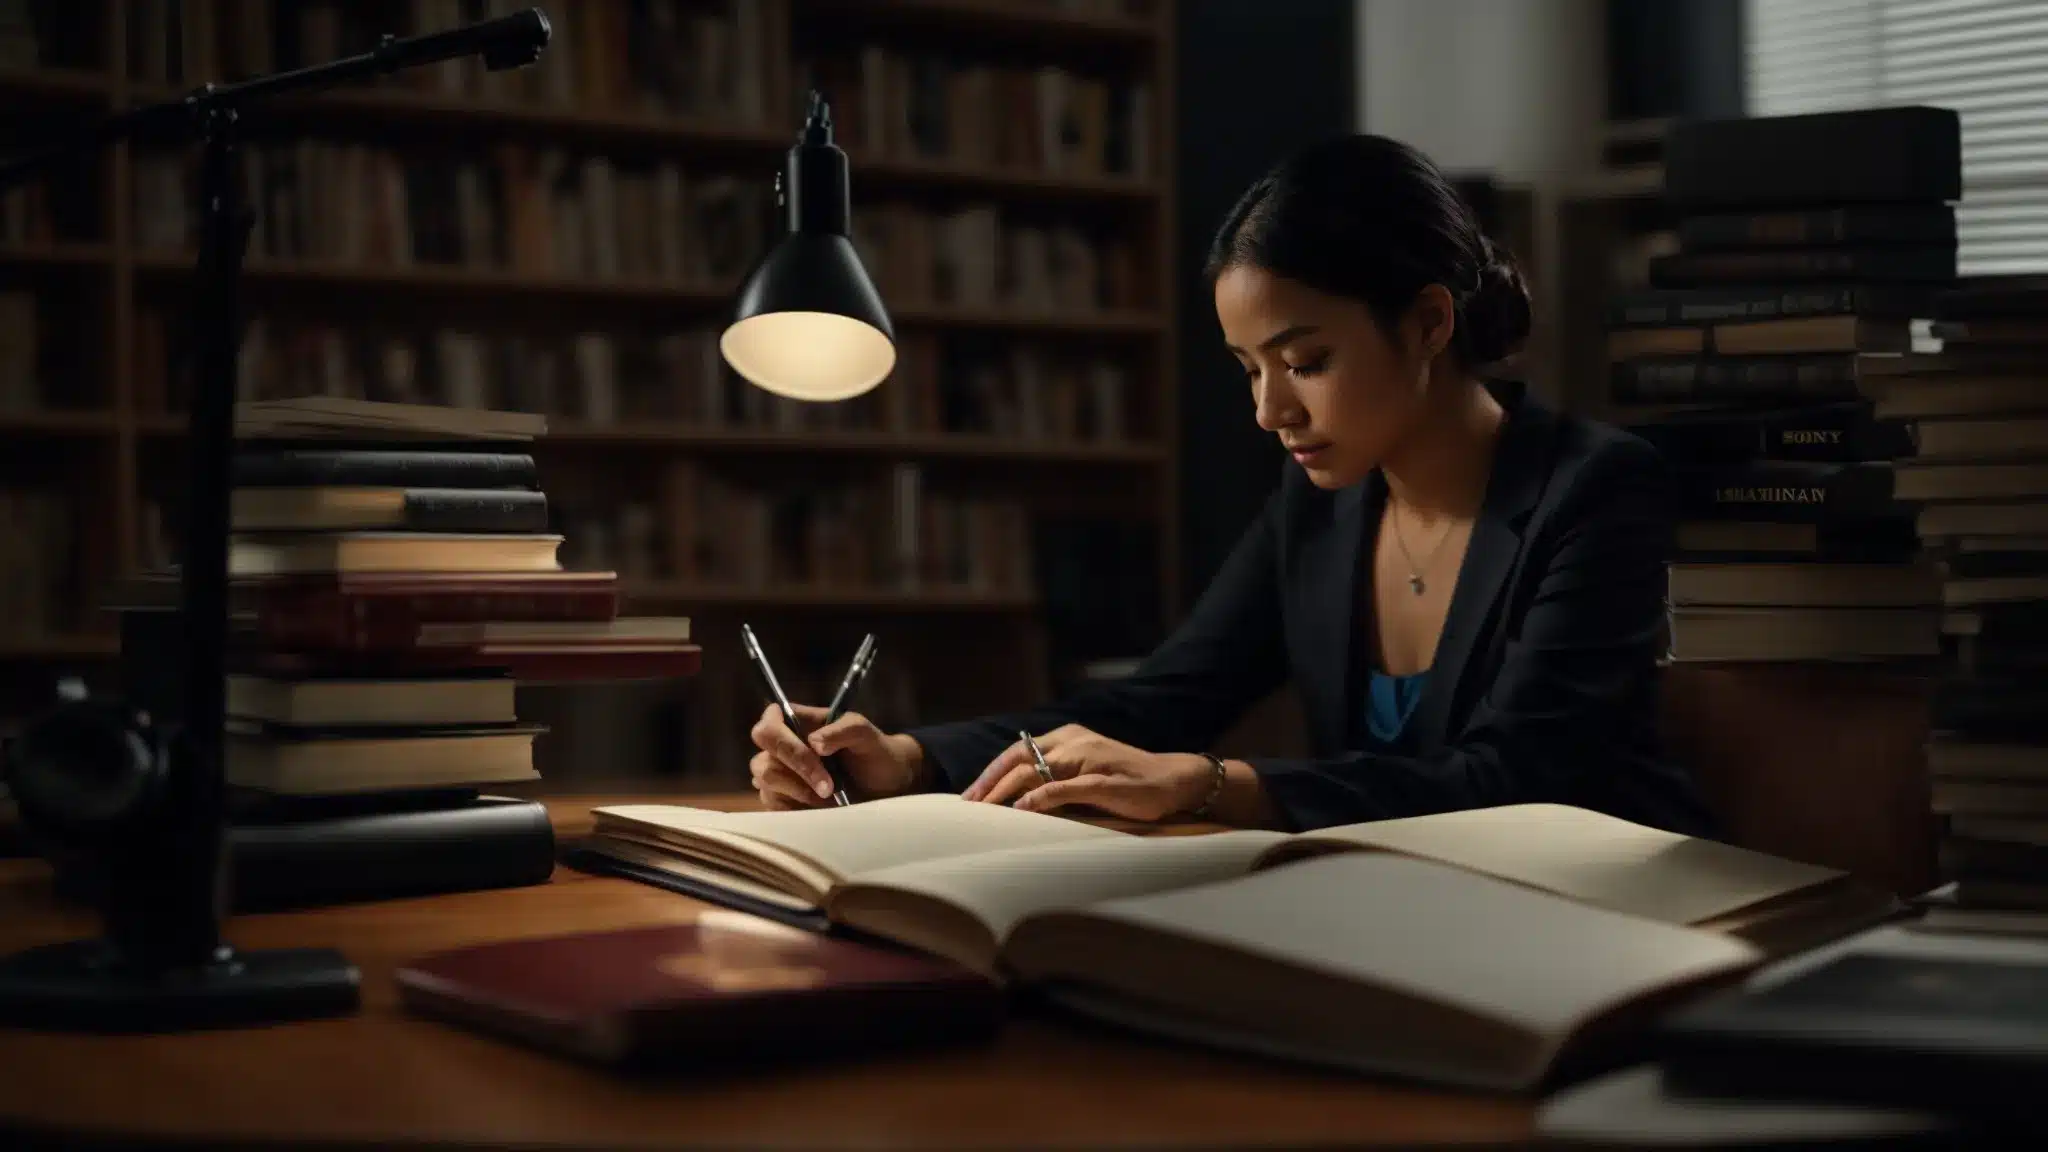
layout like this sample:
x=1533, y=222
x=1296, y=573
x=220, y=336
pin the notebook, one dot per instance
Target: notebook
x=722, y=989
x=1372, y=947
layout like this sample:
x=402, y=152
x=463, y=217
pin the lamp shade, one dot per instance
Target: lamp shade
x=809, y=324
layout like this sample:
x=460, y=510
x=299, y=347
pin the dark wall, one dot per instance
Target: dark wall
x=1674, y=58
x=1251, y=88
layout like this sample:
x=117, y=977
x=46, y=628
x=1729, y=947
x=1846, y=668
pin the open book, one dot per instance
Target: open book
x=1469, y=947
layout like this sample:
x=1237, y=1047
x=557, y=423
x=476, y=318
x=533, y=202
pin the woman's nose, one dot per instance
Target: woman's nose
x=1273, y=402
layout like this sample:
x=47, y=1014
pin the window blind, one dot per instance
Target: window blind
x=1987, y=59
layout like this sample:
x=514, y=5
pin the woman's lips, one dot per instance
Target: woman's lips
x=1305, y=453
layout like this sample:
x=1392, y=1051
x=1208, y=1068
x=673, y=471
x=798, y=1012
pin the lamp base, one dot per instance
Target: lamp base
x=83, y=986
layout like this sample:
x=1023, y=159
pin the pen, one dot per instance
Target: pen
x=759, y=659
x=863, y=659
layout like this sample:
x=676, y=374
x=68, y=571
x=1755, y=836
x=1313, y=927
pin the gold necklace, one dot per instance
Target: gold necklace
x=1415, y=571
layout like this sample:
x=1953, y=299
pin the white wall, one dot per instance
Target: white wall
x=1512, y=87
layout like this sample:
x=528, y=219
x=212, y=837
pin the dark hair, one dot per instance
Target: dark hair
x=1374, y=220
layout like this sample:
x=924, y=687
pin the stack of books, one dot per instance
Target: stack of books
x=1808, y=248
x=1980, y=482
x=393, y=581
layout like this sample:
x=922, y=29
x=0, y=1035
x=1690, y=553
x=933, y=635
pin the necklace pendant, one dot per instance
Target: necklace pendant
x=1415, y=584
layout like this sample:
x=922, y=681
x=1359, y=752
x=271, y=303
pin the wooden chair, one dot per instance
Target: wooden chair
x=1825, y=764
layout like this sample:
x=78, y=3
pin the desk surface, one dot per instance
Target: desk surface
x=383, y=1077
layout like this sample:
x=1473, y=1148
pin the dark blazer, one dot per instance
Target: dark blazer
x=1544, y=686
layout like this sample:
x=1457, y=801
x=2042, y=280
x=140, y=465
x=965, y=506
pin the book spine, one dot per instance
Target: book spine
x=317, y=469
x=1838, y=435
x=476, y=510
x=1776, y=491
x=321, y=621
x=1734, y=379
x=1671, y=307
x=1933, y=264
x=1875, y=225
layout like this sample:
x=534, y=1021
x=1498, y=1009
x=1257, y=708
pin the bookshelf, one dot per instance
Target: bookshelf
x=566, y=239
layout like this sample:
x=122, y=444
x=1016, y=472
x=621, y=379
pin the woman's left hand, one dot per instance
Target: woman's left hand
x=1089, y=768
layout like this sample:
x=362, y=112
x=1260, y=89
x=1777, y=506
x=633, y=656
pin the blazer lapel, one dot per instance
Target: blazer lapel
x=1511, y=490
x=1329, y=619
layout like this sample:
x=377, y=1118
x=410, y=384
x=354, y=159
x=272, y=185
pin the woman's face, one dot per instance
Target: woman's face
x=1338, y=389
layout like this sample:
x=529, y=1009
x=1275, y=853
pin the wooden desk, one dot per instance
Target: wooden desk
x=383, y=1077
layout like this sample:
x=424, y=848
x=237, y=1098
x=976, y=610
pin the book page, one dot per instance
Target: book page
x=1588, y=856
x=999, y=888
x=1426, y=932
x=876, y=834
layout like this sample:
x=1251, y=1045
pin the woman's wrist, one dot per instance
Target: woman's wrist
x=907, y=752
x=1241, y=799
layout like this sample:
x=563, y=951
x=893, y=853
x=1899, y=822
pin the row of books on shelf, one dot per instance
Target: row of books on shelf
x=544, y=212
x=37, y=532
x=890, y=102
x=1021, y=389
x=676, y=57
x=534, y=211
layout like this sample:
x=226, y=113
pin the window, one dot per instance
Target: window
x=1987, y=59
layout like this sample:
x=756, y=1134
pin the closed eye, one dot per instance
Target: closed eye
x=1311, y=368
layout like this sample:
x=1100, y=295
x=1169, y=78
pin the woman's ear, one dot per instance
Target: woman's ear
x=1432, y=321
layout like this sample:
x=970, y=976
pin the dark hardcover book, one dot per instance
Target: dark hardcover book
x=457, y=510
x=1871, y=224
x=322, y=468
x=1710, y=379
x=1896, y=155
x=346, y=850
x=1786, y=490
x=1983, y=297
x=1893, y=540
x=1992, y=708
x=1670, y=307
x=1826, y=433
x=723, y=990
x=1919, y=265
x=1958, y=1035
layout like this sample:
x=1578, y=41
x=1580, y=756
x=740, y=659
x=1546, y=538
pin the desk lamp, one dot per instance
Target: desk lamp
x=809, y=325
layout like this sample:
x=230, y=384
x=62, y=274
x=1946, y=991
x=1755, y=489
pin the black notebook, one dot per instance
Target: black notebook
x=1951, y=1034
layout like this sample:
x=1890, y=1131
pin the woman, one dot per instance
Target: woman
x=1467, y=588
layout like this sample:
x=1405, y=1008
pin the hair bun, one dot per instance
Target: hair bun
x=1496, y=316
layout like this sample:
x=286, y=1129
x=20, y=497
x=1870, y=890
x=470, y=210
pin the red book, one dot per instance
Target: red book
x=536, y=664
x=729, y=988
x=388, y=611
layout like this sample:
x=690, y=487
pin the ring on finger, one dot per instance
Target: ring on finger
x=1037, y=758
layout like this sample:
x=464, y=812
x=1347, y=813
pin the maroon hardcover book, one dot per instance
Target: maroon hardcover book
x=728, y=989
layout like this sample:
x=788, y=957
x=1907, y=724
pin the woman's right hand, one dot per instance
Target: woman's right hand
x=789, y=770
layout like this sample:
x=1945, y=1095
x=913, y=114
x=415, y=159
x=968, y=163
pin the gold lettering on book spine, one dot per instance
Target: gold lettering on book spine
x=1737, y=494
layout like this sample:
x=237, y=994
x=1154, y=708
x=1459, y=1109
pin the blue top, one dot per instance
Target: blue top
x=1392, y=700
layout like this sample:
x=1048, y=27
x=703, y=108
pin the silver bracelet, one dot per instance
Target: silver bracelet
x=1215, y=789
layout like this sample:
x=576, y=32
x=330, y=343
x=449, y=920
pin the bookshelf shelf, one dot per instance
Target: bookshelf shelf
x=570, y=165
x=656, y=434
x=1021, y=184
x=901, y=600
x=59, y=422
x=58, y=82
x=45, y=648
x=1039, y=24
x=472, y=282
x=58, y=255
